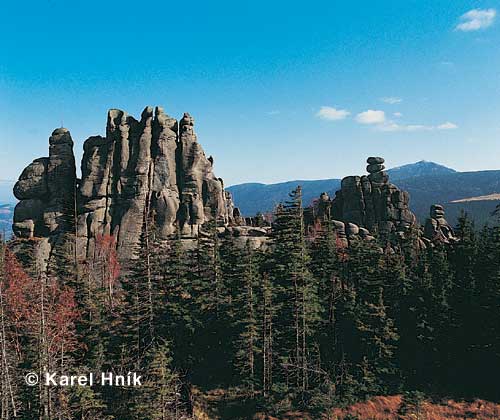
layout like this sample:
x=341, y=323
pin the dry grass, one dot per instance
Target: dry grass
x=386, y=408
x=209, y=405
x=377, y=408
x=287, y=416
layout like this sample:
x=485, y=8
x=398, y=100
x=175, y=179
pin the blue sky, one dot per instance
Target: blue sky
x=279, y=90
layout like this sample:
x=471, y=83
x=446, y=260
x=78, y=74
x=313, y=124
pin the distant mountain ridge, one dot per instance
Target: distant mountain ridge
x=427, y=183
x=6, y=214
x=421, y=168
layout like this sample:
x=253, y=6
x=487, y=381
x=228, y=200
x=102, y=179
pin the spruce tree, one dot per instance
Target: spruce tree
x=463, y=311
x=326, y=266
x=376, y=333
x=244, y=316
x=159, y=397
x=209, y=298
x=176, y=314
x=486, y=311
x=296, y=298
x=440, y=313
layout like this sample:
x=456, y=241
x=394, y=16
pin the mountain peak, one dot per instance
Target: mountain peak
x=420, y=168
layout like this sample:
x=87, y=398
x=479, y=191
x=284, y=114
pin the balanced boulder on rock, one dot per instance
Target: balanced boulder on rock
x=372, y=202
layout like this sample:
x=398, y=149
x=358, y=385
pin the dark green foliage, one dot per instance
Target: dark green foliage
x=159, y=397
x=486, y=305
x=411, y=405
x=296, y=302
x=241, y=277
x=304, y=323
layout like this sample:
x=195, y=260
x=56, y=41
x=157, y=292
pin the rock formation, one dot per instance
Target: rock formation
x=46, y=190
x=367, y=204
x=153, y=167
x=437, y=229
x=346, y=231
x=372, y=204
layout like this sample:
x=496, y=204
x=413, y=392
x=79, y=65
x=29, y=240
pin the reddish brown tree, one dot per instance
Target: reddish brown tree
x=42, y=314
x=105, y=266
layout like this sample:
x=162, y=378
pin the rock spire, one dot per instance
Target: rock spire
x=153, y=166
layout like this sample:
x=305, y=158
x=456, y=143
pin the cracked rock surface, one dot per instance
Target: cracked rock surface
x=152, y=166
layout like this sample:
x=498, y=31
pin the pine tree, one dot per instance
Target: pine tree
x=159, y=395
x=424, y=347
x=208, y=297
x=440, y=313
x=176, y=312
x=376, y=332
x=463, y=312
x=9, y=362
x=43, y=315
x=99, y=298
x=347, y=352
x=326, y=266
x=242, y=280
x=137, y=312
x=397, y=286
x=378, y=339
x=296, y=297
x=487, y=313
x=267, y=312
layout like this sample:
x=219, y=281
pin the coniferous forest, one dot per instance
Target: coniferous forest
x=303, y=324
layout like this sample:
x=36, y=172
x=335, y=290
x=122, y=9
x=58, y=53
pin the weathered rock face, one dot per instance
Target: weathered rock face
x=153, y=167
x=370, y=203
x=46, y=190
x=345, y=231
x=437, y=229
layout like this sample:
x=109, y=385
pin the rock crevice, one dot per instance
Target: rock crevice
x=153, y=166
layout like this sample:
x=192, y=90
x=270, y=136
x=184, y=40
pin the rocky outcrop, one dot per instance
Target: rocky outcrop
x=345, y=231
x=153, y=166
x=46, y=190
x=437, y=229
x=367, y=205
x=372, y=202
x=154, y=169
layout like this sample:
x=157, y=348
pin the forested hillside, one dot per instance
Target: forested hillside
x=304, y=324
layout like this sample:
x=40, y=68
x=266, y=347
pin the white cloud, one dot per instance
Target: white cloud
x=392, y=100
x=371, y=117
x=378, y=119
x=332, y=114
x=476, y=19
x=392, y=126
x=274, y=112
x=447, y=126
